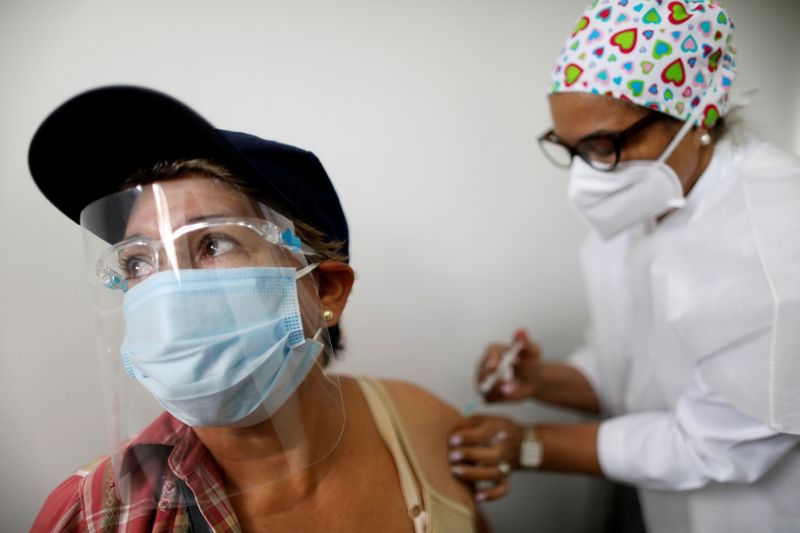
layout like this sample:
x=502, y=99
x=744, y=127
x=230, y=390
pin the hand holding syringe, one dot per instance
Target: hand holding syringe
x=503, y=372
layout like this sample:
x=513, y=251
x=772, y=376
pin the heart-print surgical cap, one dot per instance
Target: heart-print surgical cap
x=660, y=54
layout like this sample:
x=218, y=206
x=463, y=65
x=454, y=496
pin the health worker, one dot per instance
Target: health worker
x=692, y=271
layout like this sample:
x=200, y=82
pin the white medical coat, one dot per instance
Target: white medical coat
x=694, y=349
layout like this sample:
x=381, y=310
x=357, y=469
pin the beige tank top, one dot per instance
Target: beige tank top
x=429, y=510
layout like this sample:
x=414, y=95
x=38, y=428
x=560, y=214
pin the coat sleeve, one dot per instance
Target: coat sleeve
x=704, y=439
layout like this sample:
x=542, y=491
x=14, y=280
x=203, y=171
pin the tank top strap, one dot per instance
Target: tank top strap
x=392, y=433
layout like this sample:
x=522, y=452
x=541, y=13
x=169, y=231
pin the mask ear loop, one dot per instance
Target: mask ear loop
x=305, y=270
x=300, y=273
x=690, y=121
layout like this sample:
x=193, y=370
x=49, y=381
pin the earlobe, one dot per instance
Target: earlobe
x=702, y=134
x=335, y=280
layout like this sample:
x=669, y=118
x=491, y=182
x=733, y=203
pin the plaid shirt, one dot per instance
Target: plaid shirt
x=154, y=464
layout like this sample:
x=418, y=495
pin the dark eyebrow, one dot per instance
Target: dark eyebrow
x=598, y=133
x=640, y=124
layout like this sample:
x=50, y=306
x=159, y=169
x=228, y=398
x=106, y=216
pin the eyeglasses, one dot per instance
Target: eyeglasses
x=217, y=242
x=599, y=150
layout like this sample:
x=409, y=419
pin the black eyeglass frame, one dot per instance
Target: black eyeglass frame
x=617, y=140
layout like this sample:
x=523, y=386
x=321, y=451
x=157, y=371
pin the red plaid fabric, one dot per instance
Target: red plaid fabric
x=154, y=463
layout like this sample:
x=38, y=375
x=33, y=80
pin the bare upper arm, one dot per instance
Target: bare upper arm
x=429, y=422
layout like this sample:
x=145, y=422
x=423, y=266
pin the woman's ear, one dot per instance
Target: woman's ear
x=335, y=280
x=699, y=136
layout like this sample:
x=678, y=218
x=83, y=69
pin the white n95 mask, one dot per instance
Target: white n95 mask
x=634, y=192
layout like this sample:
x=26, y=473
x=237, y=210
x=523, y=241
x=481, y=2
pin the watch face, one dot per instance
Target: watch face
x=531, y=451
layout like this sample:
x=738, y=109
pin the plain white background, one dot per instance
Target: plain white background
x=425, y=114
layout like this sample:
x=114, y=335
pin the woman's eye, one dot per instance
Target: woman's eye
x=136, y=267
x=599, y=149
x=215, y=245
x=604, y=152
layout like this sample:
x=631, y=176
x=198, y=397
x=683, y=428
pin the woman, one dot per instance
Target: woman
x=226, y=258
x=691, y=274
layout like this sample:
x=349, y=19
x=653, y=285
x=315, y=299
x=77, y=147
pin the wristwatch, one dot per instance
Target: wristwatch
x=530, y=451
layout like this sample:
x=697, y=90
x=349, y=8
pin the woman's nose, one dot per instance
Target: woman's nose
x=174, y=255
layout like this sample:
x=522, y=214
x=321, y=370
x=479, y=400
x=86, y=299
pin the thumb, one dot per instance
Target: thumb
x=515, y=390
x=529, y=348
x=521, y=335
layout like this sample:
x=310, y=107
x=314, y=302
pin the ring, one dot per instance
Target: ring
x=504, y=467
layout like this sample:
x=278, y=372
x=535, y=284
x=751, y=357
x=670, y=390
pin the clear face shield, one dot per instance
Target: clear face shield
x=208, y=309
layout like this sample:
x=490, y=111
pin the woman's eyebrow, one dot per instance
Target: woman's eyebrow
x=595, y=133
x=203, y=218
x=602, y=131
x=192, y=220
x=127, y=237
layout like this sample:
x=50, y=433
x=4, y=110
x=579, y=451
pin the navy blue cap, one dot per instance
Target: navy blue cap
x=92, y=143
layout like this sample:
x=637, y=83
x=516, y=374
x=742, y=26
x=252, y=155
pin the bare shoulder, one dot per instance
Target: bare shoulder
x=421, y=405
x=429, y=421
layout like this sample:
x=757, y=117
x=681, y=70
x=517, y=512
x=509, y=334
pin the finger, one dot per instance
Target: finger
x=506, y=391
x=499, y=437
x=490, y=360
x=477, y=454
x=476, y=472
x=529, y=348
x=472, y=436
x=469, y=426
x=499, y=490
x=470, y=422
x=498, y=393
x=522, y=335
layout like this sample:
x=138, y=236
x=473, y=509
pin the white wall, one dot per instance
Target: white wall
x=425, y=114
x=767, y=42
x=795, y=68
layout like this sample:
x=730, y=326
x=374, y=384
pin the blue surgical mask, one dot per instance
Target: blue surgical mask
x=217, y=347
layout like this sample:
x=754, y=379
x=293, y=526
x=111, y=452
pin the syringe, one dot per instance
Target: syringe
x=503, y=372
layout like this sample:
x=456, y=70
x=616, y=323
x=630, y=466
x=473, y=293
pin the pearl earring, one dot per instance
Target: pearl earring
x=705, y=139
